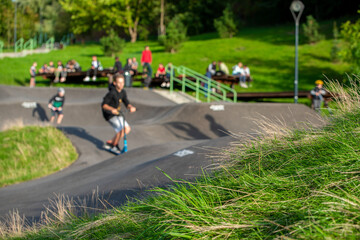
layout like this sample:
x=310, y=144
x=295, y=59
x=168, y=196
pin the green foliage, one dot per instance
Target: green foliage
x=225, y=25
x=112, y=44
x=175, y=34
x=311, y=30
x=143, y=33
x=32, y=152
x=350, y=52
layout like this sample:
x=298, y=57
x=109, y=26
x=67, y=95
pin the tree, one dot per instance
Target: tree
x=311, y=30
x=175, y=34
x=87, y=15
x=225, y=25
x=112, y=44
x=350, y=52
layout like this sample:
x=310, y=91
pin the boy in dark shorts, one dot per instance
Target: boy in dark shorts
x=111, y=107
x=56, y=104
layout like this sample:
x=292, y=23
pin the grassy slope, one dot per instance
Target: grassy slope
x=33, y=152
x=297, y=184
x=268, y=51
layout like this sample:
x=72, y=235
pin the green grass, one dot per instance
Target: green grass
x=268, y=51
x=292, y=184
x=32, y=152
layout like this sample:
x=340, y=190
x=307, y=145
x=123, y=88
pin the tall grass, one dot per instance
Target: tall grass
x=288, y=184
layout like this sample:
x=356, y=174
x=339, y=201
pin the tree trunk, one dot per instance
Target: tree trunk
x=162, y=14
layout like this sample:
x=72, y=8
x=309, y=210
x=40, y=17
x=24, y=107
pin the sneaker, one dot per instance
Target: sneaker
x=107, y=146
x=115, y=150
x=94, y=78
x=163, y=84
x=168, y=85
x=86, y=79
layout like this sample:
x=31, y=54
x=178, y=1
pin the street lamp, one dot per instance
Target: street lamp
x=296, y=7
x=15, y=23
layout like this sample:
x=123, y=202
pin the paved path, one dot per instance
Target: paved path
x=161, y=128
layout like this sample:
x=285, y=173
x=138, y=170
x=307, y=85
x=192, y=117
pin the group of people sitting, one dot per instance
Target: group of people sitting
x=60, y=71
x=240, y=71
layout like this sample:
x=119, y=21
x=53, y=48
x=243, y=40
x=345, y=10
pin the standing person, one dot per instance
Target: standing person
x=95, y=66
x=146, y=60
x=111, y=107
x=56, y=104
x=317, y=95
x=117, y=69
x=32, y=74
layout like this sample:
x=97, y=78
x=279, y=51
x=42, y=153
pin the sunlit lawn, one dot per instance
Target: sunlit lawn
x=268, y=51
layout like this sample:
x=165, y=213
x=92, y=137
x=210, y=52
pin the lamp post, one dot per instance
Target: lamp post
x=296, y=7
x=15, y=23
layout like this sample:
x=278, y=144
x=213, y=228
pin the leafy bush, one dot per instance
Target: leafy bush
x=225, y=25
x=112, y=44
x=311, y=30
x=175, y=34
x=351, y=47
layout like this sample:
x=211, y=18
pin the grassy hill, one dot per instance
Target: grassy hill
x=269, y=52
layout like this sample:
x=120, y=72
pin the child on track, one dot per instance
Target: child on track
x=56, y=104
x=111, y=107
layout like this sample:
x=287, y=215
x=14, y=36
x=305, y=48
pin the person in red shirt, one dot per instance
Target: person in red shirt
x=146, y=60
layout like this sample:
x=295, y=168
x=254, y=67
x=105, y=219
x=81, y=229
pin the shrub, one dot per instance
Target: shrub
x=112, y=44
x=335, y=49
x=225, y=25
x=175, y=34
x=350, y=33
x=311, y=30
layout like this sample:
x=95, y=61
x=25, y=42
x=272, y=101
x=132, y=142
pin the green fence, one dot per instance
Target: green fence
x=202, y=85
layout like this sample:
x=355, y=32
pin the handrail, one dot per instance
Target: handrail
x=29, y=45
x=50, y=43
x=196, y=85
x=19, y=44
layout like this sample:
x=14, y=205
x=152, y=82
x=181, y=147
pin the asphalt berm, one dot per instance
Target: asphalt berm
x=166, y=137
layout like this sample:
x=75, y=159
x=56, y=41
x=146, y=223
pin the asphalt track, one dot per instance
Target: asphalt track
x=160, y=128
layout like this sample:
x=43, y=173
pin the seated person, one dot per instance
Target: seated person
x=51, y=67
x=60, y=71
x=238, y=71
x=169, y=71
x=247, y=74
x=134, y=65
x=128, y=72
x=95, y=66
x=223, y=69
x=44, y=68
x=160, y=72
x=211, y=68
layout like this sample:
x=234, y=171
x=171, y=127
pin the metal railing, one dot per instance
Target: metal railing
x=50, y=43
x=202, y=85
x=29, y=45
x=19, y=45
